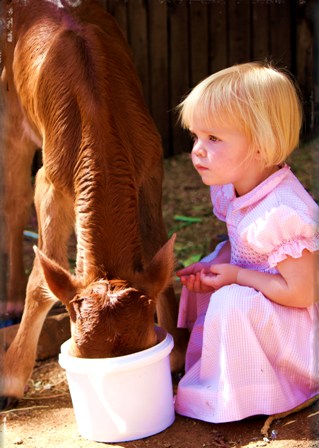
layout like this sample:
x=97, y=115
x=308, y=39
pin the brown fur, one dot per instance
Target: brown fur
x=71, y=87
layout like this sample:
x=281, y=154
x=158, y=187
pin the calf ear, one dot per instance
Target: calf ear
x=157, y=276
x=60, y=282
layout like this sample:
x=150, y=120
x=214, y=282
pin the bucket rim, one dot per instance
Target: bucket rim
x=132, y=361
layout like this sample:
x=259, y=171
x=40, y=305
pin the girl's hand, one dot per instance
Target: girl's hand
x=194, y=283
x=190, y=277
x=219, y=275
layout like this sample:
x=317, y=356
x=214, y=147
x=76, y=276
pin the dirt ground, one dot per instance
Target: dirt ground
x=44, y=417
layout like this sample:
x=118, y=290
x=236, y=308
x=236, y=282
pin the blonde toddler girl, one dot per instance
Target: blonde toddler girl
x=252, y=305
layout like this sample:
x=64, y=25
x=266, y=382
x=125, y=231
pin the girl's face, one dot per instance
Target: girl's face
x=221, y=156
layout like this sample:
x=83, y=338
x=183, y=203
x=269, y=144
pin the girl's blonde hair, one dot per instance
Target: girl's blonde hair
x=256, y=99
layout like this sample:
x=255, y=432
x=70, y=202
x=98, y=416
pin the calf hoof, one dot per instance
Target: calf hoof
x=8, y=403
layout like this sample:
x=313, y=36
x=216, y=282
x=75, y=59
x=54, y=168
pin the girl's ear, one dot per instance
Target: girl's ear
x=60, y=282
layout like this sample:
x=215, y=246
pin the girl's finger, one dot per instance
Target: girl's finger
x=191, y=269
x=197, y=282
x=190, y=282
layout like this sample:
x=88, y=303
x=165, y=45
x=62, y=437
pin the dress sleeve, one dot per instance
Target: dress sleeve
x=283, y=232
x=221, y=197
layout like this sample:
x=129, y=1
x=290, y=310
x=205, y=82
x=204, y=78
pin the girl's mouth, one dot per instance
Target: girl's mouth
x=200, y=168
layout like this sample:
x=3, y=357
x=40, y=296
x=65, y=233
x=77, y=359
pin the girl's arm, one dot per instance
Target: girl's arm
x=296, y=285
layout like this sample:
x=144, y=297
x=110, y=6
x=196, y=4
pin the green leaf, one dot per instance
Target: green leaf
x=192, y=259
x=188, y=219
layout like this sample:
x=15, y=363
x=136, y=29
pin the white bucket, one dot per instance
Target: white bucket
x=124, y=398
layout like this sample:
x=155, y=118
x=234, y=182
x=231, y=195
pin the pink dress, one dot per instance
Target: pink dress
x=247, y=355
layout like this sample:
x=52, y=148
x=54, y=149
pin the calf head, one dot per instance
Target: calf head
x=111, y=317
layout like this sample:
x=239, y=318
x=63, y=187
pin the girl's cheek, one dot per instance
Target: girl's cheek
x=193, y=159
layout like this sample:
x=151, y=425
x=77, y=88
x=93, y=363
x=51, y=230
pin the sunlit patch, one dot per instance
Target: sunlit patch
x=59, y=4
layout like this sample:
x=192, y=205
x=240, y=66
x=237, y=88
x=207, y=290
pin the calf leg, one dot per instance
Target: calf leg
x=55, y=218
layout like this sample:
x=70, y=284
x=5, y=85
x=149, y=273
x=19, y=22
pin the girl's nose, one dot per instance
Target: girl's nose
x=198, y=149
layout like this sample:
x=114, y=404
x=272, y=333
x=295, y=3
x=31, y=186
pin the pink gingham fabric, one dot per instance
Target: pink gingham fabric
x=247, y=355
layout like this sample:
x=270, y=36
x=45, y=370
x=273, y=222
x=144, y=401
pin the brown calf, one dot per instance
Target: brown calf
x=71, y=88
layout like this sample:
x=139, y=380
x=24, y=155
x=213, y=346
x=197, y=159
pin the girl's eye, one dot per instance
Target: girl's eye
x=213, y=138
